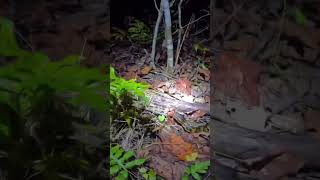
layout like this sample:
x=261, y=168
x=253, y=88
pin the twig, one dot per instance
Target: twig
x=82, y=51
x=203, y=16
x=228, y=19
x=276, y=48
x=23, y=39
x=200, y=31
x=192, y=22
x=156, y=6
x=184, y=37
x=180, y=32
x=155, y=34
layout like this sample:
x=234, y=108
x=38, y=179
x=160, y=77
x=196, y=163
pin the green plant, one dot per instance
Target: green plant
x=123, y=93
x=148, y=175
x=299, y=17
x=120, y=86
x=120, y=163
x=119, y=34
x=196, y=169
x=139, y=32
x=33, y=74
x=199, y=47
x=162, y=118
x=39, y=134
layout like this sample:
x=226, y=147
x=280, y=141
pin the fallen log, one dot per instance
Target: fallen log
x=160, y=103
x=240, y=142
x=248, y=144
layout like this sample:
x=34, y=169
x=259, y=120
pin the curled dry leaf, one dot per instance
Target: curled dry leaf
x=206, y=73
x=179, y=147
x=145, y=70
x=184, y=86
x=157, y=84
x=197, y=114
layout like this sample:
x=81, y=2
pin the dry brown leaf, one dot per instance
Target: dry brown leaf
x=238, y=78
x=166, y=168
x=179, y=147
x=158, y=84
x=184, y=86
x=312, y=122
x=206, y=73
x=170, y=115
x=142, y=153
x=145, y=70
x=184, y=75
x=284, y=165
x=130, y=75
x=133, y=68
x=197, y=114
x=207, y=99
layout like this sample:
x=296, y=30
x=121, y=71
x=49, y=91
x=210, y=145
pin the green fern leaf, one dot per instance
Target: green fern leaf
x=119, y=162
x=135, y=162
x=114, y=169
x=8, y=43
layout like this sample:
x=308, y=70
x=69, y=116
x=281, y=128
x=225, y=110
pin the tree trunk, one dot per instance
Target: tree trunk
x=155, y=34
x=212, y=23
x=168, y=35
x=108, y=22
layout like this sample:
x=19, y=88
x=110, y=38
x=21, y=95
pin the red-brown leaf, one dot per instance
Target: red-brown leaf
x=184, y=86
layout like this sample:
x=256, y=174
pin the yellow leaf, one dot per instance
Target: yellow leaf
x=191, y=157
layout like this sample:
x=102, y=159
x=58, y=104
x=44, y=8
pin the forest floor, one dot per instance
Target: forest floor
x=261, y=79
x=170, y=145
x=260, y=72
